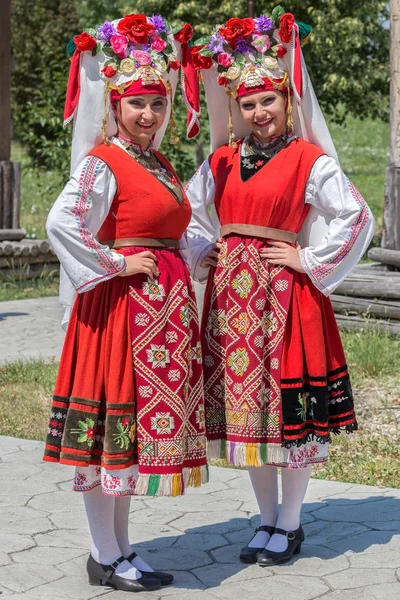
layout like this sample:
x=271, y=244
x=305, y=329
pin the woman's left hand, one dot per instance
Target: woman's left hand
x=281, y=253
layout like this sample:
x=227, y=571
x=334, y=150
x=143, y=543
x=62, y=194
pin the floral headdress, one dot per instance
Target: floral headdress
x=134, y=48
x=246, y=52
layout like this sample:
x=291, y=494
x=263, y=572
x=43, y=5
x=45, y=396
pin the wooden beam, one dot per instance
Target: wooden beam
x=5, y=79
x=386, y=257
x=357, y=323
x=347, y=305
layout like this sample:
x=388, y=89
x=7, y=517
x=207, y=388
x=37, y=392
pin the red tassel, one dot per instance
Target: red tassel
x=191, y=92
x=73, y=88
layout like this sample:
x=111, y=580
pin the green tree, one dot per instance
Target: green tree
x=40, y=32
x=347, y=55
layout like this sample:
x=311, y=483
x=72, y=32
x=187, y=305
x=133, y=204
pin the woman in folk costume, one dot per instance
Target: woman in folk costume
x=289, y=226
x=128, y=407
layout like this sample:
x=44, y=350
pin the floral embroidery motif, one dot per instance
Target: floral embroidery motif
x=174, y=375
x=219, y=389
x=238, y=388
x=239, y=361
x=243, y=283
x=219, y=322
x=303, y=455
x=153, y=289
x=302, y=410
x=281, y=285
x=163, y=423
x=146, y=391
x=196, y=353
x=275, y=363
x=126, y=433
x=142, y=319
x=171, y=337
x=86, y=432
x=80, y=479
x=208, y=360
x=131, y=482
x=111, y=482
x=241, y=323
x=269, y=323
x=158, y=356
x=264, y=395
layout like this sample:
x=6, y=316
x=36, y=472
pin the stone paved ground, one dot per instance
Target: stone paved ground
x=352, y=548
x=30, y=329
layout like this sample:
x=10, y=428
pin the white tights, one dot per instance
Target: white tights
x=265, y=485
x=108, y=524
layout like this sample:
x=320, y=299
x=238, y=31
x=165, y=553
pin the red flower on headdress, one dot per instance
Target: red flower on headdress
x=174, y=64
x=136, y=28
x=109, y=71
x=185, y=34
x=84, y=42
x=200, y=61
x=223, y=80
x=285, y=27
x=281, y=51
x=236, y=29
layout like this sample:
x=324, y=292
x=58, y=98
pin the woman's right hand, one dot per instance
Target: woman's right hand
x=210, y=258
x=142, y=262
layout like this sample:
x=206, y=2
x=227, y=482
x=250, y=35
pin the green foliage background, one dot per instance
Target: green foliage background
x=347, y=58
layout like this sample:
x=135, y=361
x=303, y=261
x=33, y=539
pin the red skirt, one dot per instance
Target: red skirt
x=129, y=387
x=275, y=376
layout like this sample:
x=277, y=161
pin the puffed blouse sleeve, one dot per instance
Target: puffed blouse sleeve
x=203, y=228
x=350, y=230
x=75, y=220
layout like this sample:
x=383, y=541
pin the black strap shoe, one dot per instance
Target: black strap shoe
x=249, y=555
x=105, y=575
x=165, y=578
x=267, y=558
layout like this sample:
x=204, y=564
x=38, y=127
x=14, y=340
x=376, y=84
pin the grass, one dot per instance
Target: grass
x=369, y=456
x=25, y=398
x=18, y=286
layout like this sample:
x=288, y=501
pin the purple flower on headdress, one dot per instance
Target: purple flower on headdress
x=158, y=23
x=105, y=31
x=216, y=43
x=263, y=23
x=242, y=46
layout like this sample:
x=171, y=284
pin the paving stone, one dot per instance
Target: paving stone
x=383, y=558
x=6, y=449
x=148, y=515
x=329, y=488
x=393, y=526
x=17, y=471
x=179, y=559
x=212, y=486
x=216, y=521
x=63, y=538
x=388, y=591
x=382, y=510
x=275, y=588
x=47, y=556
x=227, y=475
x=185, y=584
x=243, y=494
x=314, y=561
x=370, y=542
x=320, y=532
x=11, y=542
x=23, y=520
x=230, y=554
x=179, y=594
x=14, y=501
x=194, y=503
x=20, y=578
x=4, y=559
x=69, y=519
x=75, y=588
x=206, y=541
x=57, y=501
x=354, y=578
x=222, y=574
x=38, y=485
x=152, y=536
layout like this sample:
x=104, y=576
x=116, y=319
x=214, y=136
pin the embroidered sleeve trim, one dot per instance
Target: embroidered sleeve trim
x=83, y=203
x=321, y=271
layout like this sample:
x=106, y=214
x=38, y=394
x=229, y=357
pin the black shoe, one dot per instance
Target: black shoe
x=267, y=558
x=105, y=575
x=249, y=555
x=165, y=578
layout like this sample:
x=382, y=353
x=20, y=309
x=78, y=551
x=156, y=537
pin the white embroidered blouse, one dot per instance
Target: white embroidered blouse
x=334, y=236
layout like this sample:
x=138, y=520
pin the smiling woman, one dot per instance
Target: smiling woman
x=127, y=409
x=264, y=113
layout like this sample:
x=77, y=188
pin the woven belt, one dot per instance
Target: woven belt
x=279, y=235
x=145, y=242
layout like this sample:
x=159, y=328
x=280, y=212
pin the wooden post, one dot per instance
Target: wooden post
x=10, y=172
x=391, y=214
x=250, y=8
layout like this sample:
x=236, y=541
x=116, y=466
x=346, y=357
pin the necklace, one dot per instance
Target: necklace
x=148, y=160
x=253, y=147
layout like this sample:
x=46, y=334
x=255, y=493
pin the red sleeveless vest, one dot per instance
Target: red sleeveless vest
x=272, y=197
x=142, y=206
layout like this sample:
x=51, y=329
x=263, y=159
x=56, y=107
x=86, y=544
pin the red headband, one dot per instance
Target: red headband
x=266, y=87
x=138, y=89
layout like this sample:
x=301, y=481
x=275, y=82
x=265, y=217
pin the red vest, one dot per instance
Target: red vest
x=272, y=197
x=142, y=205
